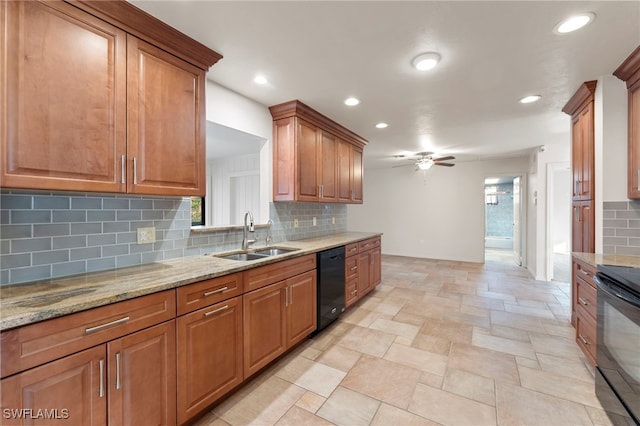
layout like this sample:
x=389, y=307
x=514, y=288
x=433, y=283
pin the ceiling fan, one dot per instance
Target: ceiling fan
x=425, y=160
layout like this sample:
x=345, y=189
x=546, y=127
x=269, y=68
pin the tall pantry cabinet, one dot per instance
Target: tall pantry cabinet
x=580, y=108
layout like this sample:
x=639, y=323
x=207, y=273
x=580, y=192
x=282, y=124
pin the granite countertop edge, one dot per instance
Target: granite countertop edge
x=595, y=259
x=24, y=304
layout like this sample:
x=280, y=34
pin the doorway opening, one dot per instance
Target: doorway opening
x=559, y=222
x=503, y=219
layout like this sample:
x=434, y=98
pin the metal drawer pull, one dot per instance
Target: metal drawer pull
x=135, y=171
x=638, y=179
x=584, y=272
x=354, y=268
x=215, y=311
x=109, y=324
x=582, y=301
x=585, y=341
x=286, y=297
x=291, y=295
x=122, y=169
x=118, y=370
x=220, y=290
x=101, y=363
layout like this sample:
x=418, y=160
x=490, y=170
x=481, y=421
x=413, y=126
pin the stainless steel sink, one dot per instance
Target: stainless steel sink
x=255, y=255
x=274, y=251
x=243, y=256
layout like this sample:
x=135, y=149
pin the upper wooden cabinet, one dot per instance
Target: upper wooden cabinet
x=580, y=108
x=314, y=158
x=629, y=71
x=101, y=97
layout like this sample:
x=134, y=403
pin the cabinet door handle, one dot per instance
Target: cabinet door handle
x=101, y=364
x=215, y=311
x=355, y=268
x=122, y=168
x=290, y=295
x=582, y=301
x=638, y=179
x=220, y=290
x=286, y=296
x=118, y=383
x=135, y=171
x=584, y=340
x=583, y=272
x=109, y=324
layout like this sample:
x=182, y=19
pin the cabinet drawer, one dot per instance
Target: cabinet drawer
x=351, y=268
x=351, y=292
x=204, y=293
x=586, y=297
x=586, y=334
x=351, y=249
x=585, y=271
x=35, y=344
x=368, y=244
x=269, y=274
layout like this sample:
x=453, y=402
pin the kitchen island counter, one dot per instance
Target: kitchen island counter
x=23, y=304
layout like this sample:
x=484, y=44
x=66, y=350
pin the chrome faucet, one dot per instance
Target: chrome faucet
x=246, y=242
x=269, y=237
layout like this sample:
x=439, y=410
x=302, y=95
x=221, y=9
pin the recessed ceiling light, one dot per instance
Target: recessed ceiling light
x=260, y=79
x=426, y=61
x=382, y=125
x=351, y=101
x=529, y=99
x=574, y=23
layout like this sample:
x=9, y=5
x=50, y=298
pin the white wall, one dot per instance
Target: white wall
x=437, y=215
x=236, y=111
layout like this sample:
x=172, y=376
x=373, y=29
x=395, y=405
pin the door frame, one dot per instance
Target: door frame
x=524, y=190
x=551, y=169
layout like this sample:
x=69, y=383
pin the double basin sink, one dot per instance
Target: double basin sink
x=255, y=254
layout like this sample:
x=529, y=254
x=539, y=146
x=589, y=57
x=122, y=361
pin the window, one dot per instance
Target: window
x=197, y=211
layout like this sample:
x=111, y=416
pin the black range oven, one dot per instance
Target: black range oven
x=618, y=342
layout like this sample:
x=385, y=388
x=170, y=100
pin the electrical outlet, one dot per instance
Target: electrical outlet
x=146, y=235
x=295, y=223
x=333, y=220
x=314, y=222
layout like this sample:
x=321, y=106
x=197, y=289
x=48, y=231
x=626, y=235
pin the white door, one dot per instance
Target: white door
x=517, y=206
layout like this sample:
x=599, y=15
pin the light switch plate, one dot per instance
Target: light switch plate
x=146, y=235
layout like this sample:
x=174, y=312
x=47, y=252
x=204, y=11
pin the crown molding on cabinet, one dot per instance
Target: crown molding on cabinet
x=583, y=95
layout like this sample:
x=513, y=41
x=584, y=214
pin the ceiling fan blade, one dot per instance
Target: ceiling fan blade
x=444, y=158
x=401, y=165
x=422, y=154
x=444, y=164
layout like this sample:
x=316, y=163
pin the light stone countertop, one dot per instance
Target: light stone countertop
x=595, y=259
x=23, y=304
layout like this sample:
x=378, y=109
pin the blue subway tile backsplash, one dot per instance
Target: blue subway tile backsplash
x=56, y=234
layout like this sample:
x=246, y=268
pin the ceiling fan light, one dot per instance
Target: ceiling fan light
x=426, y=61
x=425, y=164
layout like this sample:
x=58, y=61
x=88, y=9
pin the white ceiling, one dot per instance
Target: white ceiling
x=493, y=53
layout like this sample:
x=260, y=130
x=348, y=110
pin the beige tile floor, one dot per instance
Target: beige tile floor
x=438, y=342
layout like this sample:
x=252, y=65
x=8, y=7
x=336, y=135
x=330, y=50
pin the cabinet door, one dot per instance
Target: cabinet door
x=634, y=141
x=376, y=267
x=62, y=100
x=328, y=168
x=264, y=326
x=345, y=171
x=209, y=356
x=301, y=307
x=73, y=389
x=587, y=152
x=576, y=227
x=588, y=227
x=165, y=122
x=356, y=183
x=364, y=273
x=142, y=377
x=308, y=162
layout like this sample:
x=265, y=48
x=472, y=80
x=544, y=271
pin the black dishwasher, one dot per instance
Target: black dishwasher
x=330, y=264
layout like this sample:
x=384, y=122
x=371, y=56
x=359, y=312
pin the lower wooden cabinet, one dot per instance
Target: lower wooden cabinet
x=276, y=317
x=209, y=358
x=584, y=307
x=128, y=381
x=363, y=269
x=72, y=389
